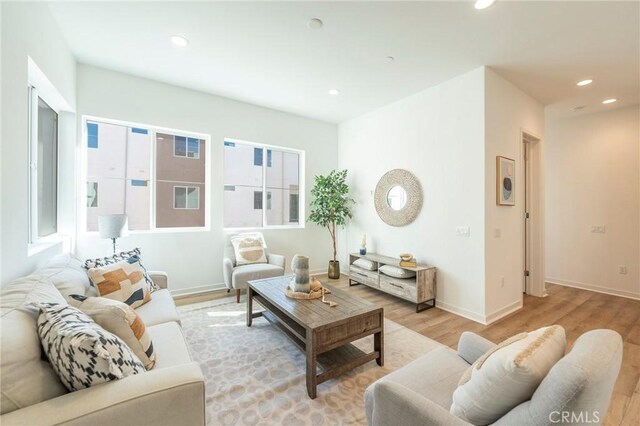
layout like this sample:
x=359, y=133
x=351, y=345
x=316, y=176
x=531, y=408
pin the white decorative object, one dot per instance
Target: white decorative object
x=113, y=226
x=394, y=271
x=367, y=264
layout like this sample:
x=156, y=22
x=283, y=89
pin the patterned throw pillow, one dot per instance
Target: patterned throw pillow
x=80, y=351
x=122, y=281
x=120, y=319
x=249, y=248
x=119, y=257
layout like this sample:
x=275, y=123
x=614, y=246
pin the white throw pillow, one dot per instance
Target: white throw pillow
x=507, y=375
x=81, y=352
x=366, y=264
x=394, y=271
x=249, y=248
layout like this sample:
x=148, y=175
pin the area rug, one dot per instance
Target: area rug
x=256, y=375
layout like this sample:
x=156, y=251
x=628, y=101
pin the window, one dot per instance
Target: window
x=186, y=197
x=43, y=163
x=274, y=184
x=186, y=147
x=119, y=178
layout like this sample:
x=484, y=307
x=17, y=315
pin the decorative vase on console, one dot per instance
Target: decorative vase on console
x=300, y=267
x=363, y=245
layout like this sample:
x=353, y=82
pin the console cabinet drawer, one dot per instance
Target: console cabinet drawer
x=406, y=290
x=362, y=276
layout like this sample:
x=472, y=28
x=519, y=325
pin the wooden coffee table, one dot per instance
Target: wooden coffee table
x=323, y=333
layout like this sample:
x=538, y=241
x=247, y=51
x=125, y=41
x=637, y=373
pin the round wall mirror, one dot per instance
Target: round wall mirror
x=397, y=198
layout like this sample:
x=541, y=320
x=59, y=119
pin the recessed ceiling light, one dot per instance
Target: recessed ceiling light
x=609, y=101
x=315, y=23
x=334, y=92
x=483, y=4
x=584, y=82
x=179, y=41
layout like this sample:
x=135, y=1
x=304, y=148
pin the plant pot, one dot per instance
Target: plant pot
x=334, y=269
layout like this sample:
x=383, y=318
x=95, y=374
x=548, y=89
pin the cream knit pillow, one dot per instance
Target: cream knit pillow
x=507, y=375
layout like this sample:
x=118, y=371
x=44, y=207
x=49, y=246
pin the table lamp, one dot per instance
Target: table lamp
x=113, y=226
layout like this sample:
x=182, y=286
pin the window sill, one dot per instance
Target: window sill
x=267, y=228
x=44, y=244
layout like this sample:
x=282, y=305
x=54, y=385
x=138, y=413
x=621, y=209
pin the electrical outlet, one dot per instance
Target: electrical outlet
x=463, y=231
x=497, y=233
x=622, y=269
x=598, y=229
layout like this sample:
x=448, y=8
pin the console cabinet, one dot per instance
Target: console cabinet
x=420, y=289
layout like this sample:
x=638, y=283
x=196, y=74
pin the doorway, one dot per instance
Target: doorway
x=532, y=213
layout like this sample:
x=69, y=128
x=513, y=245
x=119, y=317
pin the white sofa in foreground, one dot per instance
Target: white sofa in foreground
x=171, y=393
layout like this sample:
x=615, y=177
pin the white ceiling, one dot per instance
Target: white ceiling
x=263, y=52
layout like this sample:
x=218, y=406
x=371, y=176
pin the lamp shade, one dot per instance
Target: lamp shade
x=113, y=225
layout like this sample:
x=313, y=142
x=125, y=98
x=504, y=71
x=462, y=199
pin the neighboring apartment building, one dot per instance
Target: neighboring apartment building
x=246, y=167
x=119, y=177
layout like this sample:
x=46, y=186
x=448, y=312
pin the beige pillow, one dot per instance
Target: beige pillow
x=249, y=248
x=123, y=281
x=120, y=319
x=507, y=375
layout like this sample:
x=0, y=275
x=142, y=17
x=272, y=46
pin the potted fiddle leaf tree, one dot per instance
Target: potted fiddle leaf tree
x=330, y=208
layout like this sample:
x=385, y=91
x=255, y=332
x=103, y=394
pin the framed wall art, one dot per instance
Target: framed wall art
x=505, y=181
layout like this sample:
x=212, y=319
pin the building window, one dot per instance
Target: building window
x=271, y=185
x=43, y=164
x=120, y=165
x=186, y=147
x=186, y=197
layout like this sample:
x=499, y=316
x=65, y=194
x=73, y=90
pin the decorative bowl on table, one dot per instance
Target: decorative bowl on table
x=406, y=256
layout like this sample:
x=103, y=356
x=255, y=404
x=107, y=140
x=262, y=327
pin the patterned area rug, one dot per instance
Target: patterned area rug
x=256, y=375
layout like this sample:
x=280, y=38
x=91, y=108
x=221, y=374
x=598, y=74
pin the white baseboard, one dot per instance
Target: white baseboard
x=591, y=287
x=189, y=291
x=473, y=316
x=503, y=312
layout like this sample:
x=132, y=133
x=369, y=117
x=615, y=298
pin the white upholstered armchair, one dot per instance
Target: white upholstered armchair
x=237, y=276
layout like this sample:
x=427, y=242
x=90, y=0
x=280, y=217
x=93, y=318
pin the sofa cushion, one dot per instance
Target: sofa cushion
x=439, y=371
x=171, y=347
x=67, y=274
x=120, y=319
x=122, y=281
x=243, y=274
x=159, y=310
x=26, y=378
x=249, y=248
x=119, y=257
x=507, y=375
x=80, y=351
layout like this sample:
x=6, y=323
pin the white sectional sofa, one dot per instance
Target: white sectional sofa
x=171, y=393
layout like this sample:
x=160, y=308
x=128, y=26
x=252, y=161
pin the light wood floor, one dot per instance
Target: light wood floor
x=576, y=310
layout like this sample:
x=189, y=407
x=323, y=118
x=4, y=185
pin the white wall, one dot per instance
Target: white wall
x=438, y=135
x=193, y=259
x=593, y=180
x=508, y=112
x=29, y=30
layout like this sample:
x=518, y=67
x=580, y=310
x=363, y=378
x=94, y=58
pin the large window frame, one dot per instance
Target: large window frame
x=153, y=131
x=267, y=160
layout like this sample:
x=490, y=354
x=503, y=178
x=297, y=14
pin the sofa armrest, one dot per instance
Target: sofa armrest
x=395, y=404
x=167, y=396
x=227, y=271
x=278, y=260
x=471, y=346
x=160, y=278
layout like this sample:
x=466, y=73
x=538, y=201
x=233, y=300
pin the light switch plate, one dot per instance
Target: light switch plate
x=463, y=231
x=598, y=229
